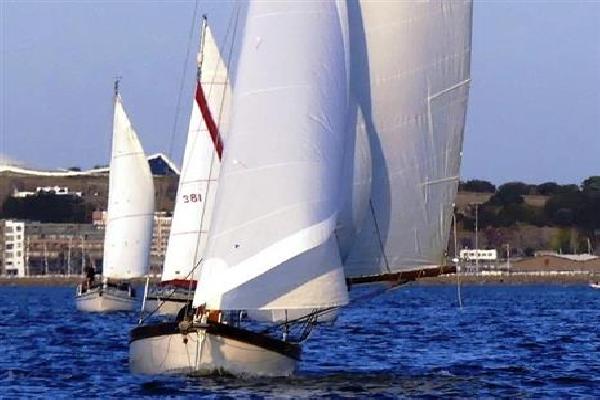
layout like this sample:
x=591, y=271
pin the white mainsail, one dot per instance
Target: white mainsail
x=201, y=164
x=410, y=69
x=130, y=203
x=271, y=243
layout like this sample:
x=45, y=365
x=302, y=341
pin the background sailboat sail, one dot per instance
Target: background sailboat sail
x=271, y=243
x=410, y=76
x=201, y=164
x=130, y=203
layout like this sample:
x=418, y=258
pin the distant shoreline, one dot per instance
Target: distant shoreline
x=56, y=281
x=511, y=280
x=446, y=280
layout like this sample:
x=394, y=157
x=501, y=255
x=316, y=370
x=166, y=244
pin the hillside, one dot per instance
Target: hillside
x=91, y=185
x=565, y=218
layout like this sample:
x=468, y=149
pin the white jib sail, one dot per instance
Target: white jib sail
x=200, y=172
x=271, y=243
x=130, y=203
x=410, y=65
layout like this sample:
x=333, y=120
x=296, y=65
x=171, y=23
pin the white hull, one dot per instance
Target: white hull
x=595, y=285
x=200, y=353
x=100, y=300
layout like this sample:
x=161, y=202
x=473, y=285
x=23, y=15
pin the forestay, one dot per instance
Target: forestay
x=410, y=78
x=271, y=244
x=201, y=163
x=130, y=203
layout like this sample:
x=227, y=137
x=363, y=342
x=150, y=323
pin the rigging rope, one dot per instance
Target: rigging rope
x=183, y=80
x=162, y=301
x=457, y=261
x=379, y=239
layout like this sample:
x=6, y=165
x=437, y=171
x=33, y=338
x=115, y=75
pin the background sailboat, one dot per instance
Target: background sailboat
x=129, y=224
x=198, y=182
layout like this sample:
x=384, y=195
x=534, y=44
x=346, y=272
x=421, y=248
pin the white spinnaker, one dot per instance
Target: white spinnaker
x=271, y=243
x=200, y=172
x=130, y=203
x=410, y=69
x=356, y=178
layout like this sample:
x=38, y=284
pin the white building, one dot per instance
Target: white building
x=478, y=254
x=13, y=248
x=160, y=236
x=57, y=190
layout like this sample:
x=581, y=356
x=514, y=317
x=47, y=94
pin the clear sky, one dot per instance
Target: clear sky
x=534, y=111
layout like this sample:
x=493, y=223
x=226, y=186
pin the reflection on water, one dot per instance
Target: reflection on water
x=507, y=341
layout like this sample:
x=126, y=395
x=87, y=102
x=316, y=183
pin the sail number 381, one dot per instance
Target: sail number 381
x=192, y=198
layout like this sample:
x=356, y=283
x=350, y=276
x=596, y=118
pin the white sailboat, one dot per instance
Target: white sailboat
x=130, y=218
x=345, y=144
x=197, y=185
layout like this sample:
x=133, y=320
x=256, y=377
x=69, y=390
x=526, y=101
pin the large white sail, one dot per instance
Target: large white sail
x=201, y=164
x=130, y=203
x=410, y=74
x=271, y=244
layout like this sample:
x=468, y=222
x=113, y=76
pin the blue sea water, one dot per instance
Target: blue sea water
x=520, y=341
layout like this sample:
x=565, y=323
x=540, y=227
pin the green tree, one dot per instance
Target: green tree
x=561, y=241
x=591, y=185
x=477, y=186
x=48, y=207
x=548, y=188
x=568, y=189
x=510, y=193
x=564, y=209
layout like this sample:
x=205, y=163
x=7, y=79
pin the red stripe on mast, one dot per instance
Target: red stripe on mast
x=208, y=120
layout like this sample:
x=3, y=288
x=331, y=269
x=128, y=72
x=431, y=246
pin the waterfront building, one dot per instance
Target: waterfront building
x=478, y=254
x=559, y=262
x=160, y=238
x=12, y=249
x=62, y=249
x=57, y=190
x=30, y=248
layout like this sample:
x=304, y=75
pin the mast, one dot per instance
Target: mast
x=477, y=237
x=69, y=256
x=116, y=85
x=45, y=259
x=82, y=255
x=201, y=51
x=27, y=255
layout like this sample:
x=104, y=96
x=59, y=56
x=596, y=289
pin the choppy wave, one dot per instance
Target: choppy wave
x=537, y=341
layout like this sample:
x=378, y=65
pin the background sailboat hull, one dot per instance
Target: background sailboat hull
x=98, y=300
x=167, y=307
x=200, y=352
x=170, y=298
